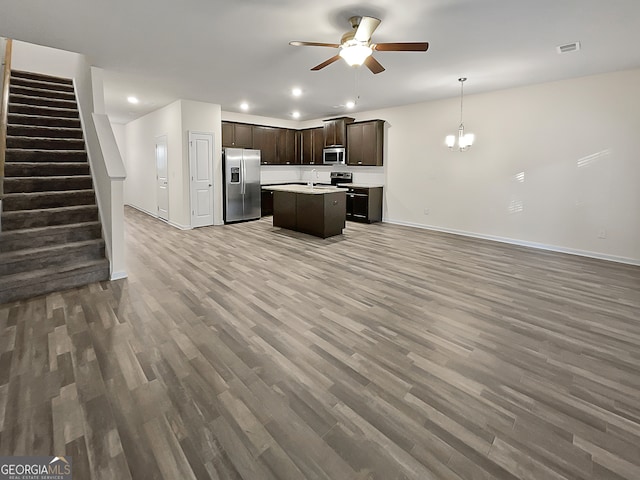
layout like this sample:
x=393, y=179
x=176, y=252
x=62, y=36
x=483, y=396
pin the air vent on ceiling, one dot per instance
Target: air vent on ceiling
x=569, y=47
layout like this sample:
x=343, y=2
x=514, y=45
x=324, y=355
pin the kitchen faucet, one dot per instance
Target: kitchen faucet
x=310, y=183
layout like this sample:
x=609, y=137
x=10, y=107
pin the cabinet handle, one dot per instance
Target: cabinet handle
x=359, y=163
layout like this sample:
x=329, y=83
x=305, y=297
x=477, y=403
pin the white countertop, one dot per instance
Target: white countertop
x=359, y=185
x=316, y=190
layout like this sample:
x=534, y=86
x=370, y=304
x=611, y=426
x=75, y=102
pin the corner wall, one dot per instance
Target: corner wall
x=554, y=165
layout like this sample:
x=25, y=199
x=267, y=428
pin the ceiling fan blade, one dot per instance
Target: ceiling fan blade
x=366, y=28
x=373, y=65
x=326, y=63
x=314, y=44
x=401, y=47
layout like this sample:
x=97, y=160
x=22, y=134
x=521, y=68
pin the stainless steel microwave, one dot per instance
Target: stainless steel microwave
x=334, y=156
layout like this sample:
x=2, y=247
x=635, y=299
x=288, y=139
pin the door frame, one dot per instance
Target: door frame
x=192, y=190
x=159, y=141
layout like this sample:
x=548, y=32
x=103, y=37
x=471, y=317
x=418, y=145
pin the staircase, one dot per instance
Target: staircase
x=51, y=236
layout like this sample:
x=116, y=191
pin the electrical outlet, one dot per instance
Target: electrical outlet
x=426, y=211
x=602, y=233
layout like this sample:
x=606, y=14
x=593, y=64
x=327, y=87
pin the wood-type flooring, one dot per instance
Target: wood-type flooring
x=249, y=352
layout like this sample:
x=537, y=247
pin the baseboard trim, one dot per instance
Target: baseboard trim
x=118, y=276
x=522, y=243
x=155, y=215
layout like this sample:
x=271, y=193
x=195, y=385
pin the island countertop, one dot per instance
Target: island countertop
x=315, y=190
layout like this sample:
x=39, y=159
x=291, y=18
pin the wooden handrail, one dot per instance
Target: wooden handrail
x=4, y=103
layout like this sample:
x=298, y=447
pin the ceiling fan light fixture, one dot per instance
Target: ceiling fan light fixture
x=355, y=53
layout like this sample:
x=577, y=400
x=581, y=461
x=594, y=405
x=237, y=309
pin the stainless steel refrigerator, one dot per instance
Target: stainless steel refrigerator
x=241, y=184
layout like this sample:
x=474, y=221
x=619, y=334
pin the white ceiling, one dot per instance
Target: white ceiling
x=231, y=51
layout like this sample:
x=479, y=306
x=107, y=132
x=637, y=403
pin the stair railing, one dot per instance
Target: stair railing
x=4, y=109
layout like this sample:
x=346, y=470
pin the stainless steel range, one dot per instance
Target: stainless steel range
x=341, y=177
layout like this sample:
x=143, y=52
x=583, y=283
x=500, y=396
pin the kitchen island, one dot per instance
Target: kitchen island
x=317, y=210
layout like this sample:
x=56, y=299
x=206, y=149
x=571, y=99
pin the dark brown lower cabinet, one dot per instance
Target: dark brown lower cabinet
x=266, y=203
x=322, y=215
x=364, y=204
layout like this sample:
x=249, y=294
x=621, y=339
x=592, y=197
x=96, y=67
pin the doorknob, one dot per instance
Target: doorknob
x=210, y=185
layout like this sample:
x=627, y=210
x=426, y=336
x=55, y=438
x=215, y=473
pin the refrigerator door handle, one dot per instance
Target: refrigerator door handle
x=244, y=176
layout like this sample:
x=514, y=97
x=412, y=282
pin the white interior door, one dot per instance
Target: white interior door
x=201, y=173
x=162, y=177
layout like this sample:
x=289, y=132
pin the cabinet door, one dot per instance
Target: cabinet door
x=306, y=137
x=243, y=135
x=318, y=145
x=355, y=146
x=264, y=139
x=329, y=132
x=228, y=134
x=286, y=146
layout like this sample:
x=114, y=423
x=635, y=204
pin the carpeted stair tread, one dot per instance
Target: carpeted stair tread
x=38, y=155
x=42, y=120
x=48, y=216
x=41, y=92
x=44, y=131
x=42, y=101
x=50, y=235
x=39, y=200
x=42, y=77
x=24, y=169
x=27, y=82
x=50, y=255
x=33, y=184
x=43, y=143
x=47, y=280
x=27, y=109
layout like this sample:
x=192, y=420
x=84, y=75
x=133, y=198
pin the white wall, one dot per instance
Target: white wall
x=553, y=165
x=140, y=161
x=204, y=118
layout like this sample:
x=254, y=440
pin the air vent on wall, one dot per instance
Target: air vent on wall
x=569, y=47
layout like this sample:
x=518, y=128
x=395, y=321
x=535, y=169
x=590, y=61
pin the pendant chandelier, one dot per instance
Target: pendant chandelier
x=464, y=140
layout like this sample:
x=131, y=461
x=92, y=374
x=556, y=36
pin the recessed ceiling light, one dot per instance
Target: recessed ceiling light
x=296, y=92
x=133, y=99
x=350, y=104
x=244, y=106
x=295, y=114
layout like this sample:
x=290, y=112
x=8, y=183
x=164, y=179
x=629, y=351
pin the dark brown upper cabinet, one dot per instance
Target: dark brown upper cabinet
x=312, y=140
x=265, y=139
x=239, y=135
x=286, y=147
x=365, y=143
x=335, y=131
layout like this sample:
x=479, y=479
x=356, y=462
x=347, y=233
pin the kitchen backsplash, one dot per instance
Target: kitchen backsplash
x=302, y=173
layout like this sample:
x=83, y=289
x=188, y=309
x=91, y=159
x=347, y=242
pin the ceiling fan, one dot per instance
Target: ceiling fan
x=356, y=47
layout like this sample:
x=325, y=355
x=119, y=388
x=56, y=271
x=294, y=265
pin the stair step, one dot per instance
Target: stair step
x=38, y=200
x=21, y=219
x=43, y=281
x=41, y=77
x=51, y=235
x=50, y=256
x=23, y=119
x=40, y=101
x=29, y=155
x=43, y=131
x=46, y=111
x=40, y=92
x=41, y=169
x=42, y=143
x=46, y=184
